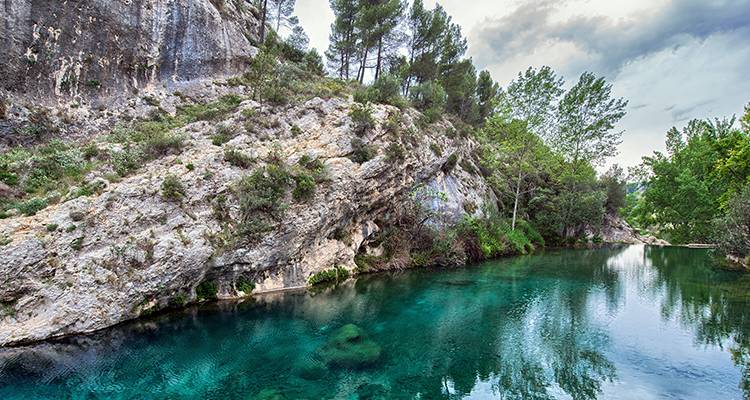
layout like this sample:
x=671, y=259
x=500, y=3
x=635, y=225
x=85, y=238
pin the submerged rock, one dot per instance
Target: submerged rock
x=349, y=347
x=268, y=394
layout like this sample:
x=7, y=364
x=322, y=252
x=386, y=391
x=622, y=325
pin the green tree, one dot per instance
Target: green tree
x=614, y=184
x=533, y=97
x=282, y=13
x=377, y=21
x=733, y=230
x=516, y=156
x=707, y=165
x=342, y=50
x=487, y=95
x=587, y=116
x=745, y=121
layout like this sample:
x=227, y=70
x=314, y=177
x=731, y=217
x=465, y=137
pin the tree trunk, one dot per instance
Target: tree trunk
x=515, y=204
x=278, y=18
x=363, y=65
x=380, y=58
x=263, y=22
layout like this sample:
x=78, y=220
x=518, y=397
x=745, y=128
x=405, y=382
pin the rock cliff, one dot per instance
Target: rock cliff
x=126, y=251
x=81, y=49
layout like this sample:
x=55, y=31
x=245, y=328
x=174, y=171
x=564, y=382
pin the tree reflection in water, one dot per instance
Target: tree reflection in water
x=537, y=327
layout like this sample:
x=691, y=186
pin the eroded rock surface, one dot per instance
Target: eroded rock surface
x=103, y=48
x=129, y=251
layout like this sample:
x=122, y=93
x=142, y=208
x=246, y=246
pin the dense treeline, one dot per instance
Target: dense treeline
x=540, y=143
x=699, y=190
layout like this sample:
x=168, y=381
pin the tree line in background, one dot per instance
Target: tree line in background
x=699, y=191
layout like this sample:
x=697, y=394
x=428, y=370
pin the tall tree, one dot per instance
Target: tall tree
x=377, y=23
x=282, y=13
x=517, y=157
x=533, y=97
x=487, y=95
x=343, y=40
x=745, y=121
x=587, y=116
x=263, y=7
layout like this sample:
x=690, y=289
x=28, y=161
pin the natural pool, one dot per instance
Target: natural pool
x=620, y=323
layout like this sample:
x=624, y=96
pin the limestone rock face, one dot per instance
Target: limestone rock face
x=128, y=250
x=103, y=48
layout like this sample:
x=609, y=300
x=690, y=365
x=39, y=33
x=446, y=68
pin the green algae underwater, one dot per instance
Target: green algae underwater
x=615, y=323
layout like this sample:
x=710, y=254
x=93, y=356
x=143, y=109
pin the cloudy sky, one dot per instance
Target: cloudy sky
x=673, y=60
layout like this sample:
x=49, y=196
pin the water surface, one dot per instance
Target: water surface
x=623, y=323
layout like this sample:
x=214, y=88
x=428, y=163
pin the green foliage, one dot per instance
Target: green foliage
x=395, y=152
x=384, y=90
x=51, y=227
x=587, y=115
x=361, y=152
x=238, y=158
x=708, y=164
x=32, y=206
x=431, y=99
x=223, y=135
x=77, y=243
x=304, y=188
x=532, y=97
x=206, y=290
x=362, y=119
x=296, y=130
x=336, y=274
x=732, y=231
x=261, y=196
x=172, y=188
x=44, y=168
x=245, y=285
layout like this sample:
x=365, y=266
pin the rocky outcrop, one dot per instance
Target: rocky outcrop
x=102, y=48
x=127, y=251
x=616, y=230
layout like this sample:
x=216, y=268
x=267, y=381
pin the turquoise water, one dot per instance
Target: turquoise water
x=623, y=323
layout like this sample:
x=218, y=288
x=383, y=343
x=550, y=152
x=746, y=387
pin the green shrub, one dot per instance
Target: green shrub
x=361, y=116
x=206, y=290
x=261, y=197
x=437, y=149
x=238, y=158
x=315, y=166
x=31, y=207
x=4, y=241
x=223, y=135
x=77, y=243
x=128, y=160
x=450, y=164
x=245, y=285
x=172, y=188
x=395, y=152
x=361, y=152
x=305, y=187
x=51, y=227
x=178, y=300
x=534, y=236
x=335, y=274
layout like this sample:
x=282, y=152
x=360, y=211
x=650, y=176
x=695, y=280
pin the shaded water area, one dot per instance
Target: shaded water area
x=620, y=323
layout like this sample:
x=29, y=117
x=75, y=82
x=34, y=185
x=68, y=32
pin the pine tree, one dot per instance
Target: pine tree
x=282, y=13
x=377, y=23
x=343, y=38
x=487, y=95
